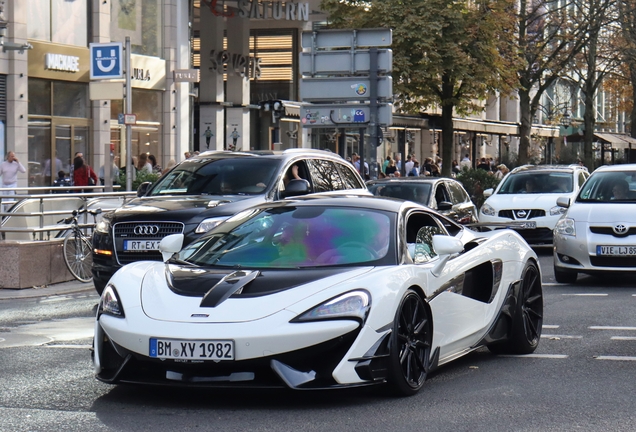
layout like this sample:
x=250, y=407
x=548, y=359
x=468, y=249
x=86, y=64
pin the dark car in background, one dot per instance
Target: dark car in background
x=201, y=192
x=445, y=195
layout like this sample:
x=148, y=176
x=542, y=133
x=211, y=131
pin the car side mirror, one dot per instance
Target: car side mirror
x=444, y=205
x=563, y=202
x=445, y=246
x=143, y=188
x=296, y=187
x=488, y=192
x=170, y=245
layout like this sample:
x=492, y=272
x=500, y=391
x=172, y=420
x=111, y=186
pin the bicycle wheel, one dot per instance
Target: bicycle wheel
x=78, y=255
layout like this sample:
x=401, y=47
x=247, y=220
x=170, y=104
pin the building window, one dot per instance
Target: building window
x=59, y=21
x=142, y=21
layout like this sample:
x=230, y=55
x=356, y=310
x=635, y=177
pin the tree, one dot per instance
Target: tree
x=627, y=18
x=445, y=54
x=549, y=37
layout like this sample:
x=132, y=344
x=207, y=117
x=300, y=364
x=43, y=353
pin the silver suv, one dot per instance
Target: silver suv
x=201, y=192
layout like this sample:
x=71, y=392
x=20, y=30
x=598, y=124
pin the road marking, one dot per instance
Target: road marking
x=69, y=346
x=546, y=326
x=625, y=338
x=618, y=358
x=586, y=295
x=610, y=328
x=552, y=284
x=546, y=356
x=561, y=336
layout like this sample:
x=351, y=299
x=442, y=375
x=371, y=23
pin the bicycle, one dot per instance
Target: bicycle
x=78, y=247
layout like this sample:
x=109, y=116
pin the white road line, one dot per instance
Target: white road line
x=552, y=284
x=69, y=346
x=611, y=328
x=561, y=336
x=619, y=358
x=545, y=356
x=625, y=338
x=586, y=295
x=546, y=326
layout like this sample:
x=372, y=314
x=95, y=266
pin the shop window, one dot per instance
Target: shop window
x=70, y=99
x=39, y=97
x=142, y=21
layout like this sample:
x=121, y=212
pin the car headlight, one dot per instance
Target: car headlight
x=488, y=210
x=103, y=226
x=565, y=226
x=110, y=304
x=556, y=210
x=352, y=305
x=207, y=224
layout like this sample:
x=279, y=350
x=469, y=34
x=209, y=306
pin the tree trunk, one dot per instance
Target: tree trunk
x=632, y=116
x=447, y=140
x=525, y=127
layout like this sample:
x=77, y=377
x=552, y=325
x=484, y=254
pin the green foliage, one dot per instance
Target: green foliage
x=475, y=181
x=140, y=177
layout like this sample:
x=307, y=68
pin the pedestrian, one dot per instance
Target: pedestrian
x=235, y=136
x=9, y=169
x=83, y=174
x=114, y=172
x=466, y=163
x=156, y=168
x=455, y=168
x=391, y=168
x=143, y=164
x=502, y=170
x=408, y=166
x=386, y=164
x=483, y=164
x=187, y=155
x=208, y=135
x=415, y=171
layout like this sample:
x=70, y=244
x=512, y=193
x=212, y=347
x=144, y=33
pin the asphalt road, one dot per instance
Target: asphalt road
x=581, y=378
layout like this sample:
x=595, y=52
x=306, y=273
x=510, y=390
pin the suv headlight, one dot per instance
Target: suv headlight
x=352, y=305
x=556, y=210
x=488, y=210
x=103, y=226
x=110, y=304
x=565, y=226
x=207, y=224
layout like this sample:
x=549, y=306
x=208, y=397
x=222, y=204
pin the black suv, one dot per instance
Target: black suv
x=203, y=191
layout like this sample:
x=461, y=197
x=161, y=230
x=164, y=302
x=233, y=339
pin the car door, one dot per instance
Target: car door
x=441, y=194
x=460, y=291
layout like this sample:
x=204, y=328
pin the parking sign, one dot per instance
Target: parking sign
x=106, y=60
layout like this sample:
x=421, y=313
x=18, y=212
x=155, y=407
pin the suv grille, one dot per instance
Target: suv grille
x=150, y=231
x=512, y=214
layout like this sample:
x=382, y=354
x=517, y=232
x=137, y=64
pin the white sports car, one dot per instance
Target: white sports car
x=319, y=292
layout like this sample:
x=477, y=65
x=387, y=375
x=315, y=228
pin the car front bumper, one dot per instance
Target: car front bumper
x=579, y=253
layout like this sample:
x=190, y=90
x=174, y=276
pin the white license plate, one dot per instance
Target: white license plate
x=140, y=245
x=616, y=250
x=529, y=225
x=216, y=350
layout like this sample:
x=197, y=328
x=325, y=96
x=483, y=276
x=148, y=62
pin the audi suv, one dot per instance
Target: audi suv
x=597, y=233
x=201, y=192
x=528, y=196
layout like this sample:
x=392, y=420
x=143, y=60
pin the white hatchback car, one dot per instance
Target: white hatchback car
x=528, y=195
x=597, y=234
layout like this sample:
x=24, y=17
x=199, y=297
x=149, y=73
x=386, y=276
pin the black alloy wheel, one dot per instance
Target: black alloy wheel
x=410, y=345
x=527, y=320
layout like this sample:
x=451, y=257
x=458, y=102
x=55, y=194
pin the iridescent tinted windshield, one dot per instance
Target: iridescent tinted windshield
x=293, y=237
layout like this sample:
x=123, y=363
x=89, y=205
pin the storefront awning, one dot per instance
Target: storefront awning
x=616, y=140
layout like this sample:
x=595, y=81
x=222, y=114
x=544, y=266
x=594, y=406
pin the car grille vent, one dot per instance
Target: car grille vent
x=610, y=231
x=126, y=230
x=613, y=261
x=511, y=214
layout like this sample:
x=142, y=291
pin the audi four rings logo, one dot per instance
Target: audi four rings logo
x=146, y=229
x=620, y=229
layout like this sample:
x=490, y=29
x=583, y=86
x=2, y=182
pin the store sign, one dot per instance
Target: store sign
x=255, y=10
x=242, y=65
x=61, y=62
x=148, y=72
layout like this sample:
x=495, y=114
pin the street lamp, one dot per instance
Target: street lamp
x=566, y=119
x=9, y=46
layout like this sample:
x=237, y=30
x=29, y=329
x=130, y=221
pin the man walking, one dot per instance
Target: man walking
x=9, y=173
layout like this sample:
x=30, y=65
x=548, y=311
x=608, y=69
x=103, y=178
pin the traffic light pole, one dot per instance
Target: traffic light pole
x=373, y=120
x=129, y=167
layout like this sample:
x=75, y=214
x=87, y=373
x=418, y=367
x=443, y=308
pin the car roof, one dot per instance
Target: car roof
x=536, y=168
x=351, y=200
x=269, y=154
x=412, y=179
x=615, y=168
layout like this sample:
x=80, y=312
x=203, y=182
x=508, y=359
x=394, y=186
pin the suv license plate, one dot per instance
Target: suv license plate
x=616, y=250
x=141, y=245
x=178, y=349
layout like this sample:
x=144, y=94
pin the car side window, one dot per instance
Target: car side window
x=349, y=178
x=441, y=194
x=458, y=194
x=325, y=175
x=420, y=229
x=582, y=178
x=290, y=173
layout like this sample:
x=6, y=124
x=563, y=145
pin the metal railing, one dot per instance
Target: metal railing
x=35, y=216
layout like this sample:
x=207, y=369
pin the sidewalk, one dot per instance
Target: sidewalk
x=63, y=288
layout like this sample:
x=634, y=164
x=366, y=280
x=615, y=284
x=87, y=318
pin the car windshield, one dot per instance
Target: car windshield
x=297, y=237
x=225, y=176
x=537, y=183
x=419, y=193
x=609, y=187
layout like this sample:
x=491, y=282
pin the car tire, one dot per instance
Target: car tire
x=410, y=345
x=565, y=276
x=527, y=319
